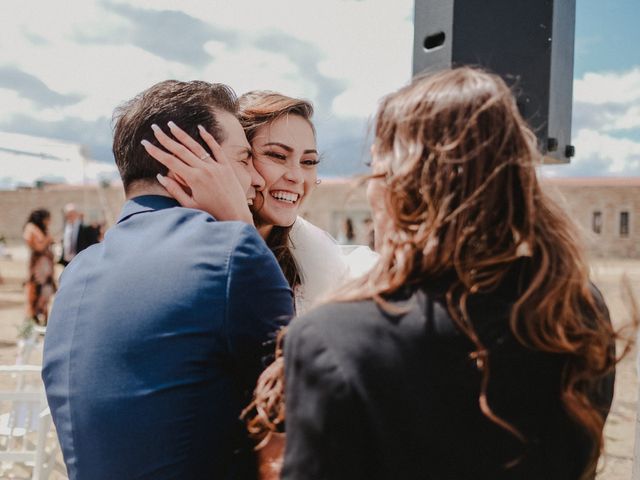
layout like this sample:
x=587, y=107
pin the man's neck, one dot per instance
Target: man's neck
x=146, y=188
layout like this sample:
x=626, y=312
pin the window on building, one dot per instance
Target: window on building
x=596, y=221
x=624, y=224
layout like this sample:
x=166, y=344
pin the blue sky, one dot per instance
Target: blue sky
x=64, y=67
x=606, y=109
x=607, y=36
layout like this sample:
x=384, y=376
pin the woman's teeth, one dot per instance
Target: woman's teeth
x=285, y=196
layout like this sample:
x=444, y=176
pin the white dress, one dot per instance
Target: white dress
x=324, y=266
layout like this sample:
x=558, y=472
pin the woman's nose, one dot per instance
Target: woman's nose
x=294, y=174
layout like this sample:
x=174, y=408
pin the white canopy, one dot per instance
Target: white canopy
x=25, y=159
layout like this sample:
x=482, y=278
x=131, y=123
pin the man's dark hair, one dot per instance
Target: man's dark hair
x=188, y=104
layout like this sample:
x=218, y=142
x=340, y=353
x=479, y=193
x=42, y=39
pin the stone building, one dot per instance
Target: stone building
x=606, y=209
x=336, y=200
x=99, y=205
x=39, y=172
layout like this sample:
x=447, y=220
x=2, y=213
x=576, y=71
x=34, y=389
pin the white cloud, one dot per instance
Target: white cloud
x=30, y=170
x=105, y=75
x=359, y=41
x=608, y=87
x=112, y=74
x=366, y=44
x=12, y=102
x=600, y=154
x=24, y=159
x=250, y=68
x=630, y=119
x=361, y=49
x=606, y=122
x=622, y=154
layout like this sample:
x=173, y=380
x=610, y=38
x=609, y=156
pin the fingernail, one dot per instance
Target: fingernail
x=145, y=143
x=160, y=178
x=201, y=128
x=155, y=127
x=171, y=124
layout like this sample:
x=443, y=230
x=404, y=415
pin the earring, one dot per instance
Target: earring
x=318, y=182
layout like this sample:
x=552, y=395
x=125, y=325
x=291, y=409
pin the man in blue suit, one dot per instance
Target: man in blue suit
x=156, y=336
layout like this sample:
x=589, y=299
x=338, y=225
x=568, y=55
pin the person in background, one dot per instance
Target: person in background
x=2, y=255
x=369, y=232
x=40, y=285
x=76, y=236
x=346, y=236
x=477, y=347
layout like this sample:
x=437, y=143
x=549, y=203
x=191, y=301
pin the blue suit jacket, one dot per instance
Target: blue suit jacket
x=155, y=342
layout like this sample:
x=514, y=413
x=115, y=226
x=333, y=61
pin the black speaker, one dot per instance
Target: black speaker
x=529, y=43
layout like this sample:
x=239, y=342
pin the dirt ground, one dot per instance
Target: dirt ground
x=616, y=464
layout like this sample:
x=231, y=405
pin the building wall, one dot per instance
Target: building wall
x=100, y=205
x=335, y=200
x=610, y=198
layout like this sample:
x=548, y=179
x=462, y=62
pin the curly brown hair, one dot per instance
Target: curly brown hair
x=464, y=204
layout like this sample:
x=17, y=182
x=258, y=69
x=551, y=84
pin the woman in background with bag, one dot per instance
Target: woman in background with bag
x=40, y=286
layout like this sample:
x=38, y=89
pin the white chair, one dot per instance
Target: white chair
x=31, y=344
x=25, y=422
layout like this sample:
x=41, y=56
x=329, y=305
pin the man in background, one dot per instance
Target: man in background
x=76, y=236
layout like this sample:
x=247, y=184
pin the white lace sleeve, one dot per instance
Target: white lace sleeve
x=359, y=258
x=322, y=263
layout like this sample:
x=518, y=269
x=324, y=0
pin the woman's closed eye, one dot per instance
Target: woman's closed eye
x=244, y=156
x=310, y=162
x=276, y=155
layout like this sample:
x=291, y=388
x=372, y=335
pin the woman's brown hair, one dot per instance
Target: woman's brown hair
x=464, y=204
x=257, y=109
x=38, y=218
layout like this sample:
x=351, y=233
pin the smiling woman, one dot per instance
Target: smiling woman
x=287, y=159
x=285, y=154
x=283, y=139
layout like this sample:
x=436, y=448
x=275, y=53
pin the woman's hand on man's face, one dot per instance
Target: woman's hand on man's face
x=197, y=179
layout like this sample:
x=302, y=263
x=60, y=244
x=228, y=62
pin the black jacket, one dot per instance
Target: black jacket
x=87, y=236
x=377, y=396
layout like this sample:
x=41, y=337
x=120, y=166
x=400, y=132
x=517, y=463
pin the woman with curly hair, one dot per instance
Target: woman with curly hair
x=477, y=347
